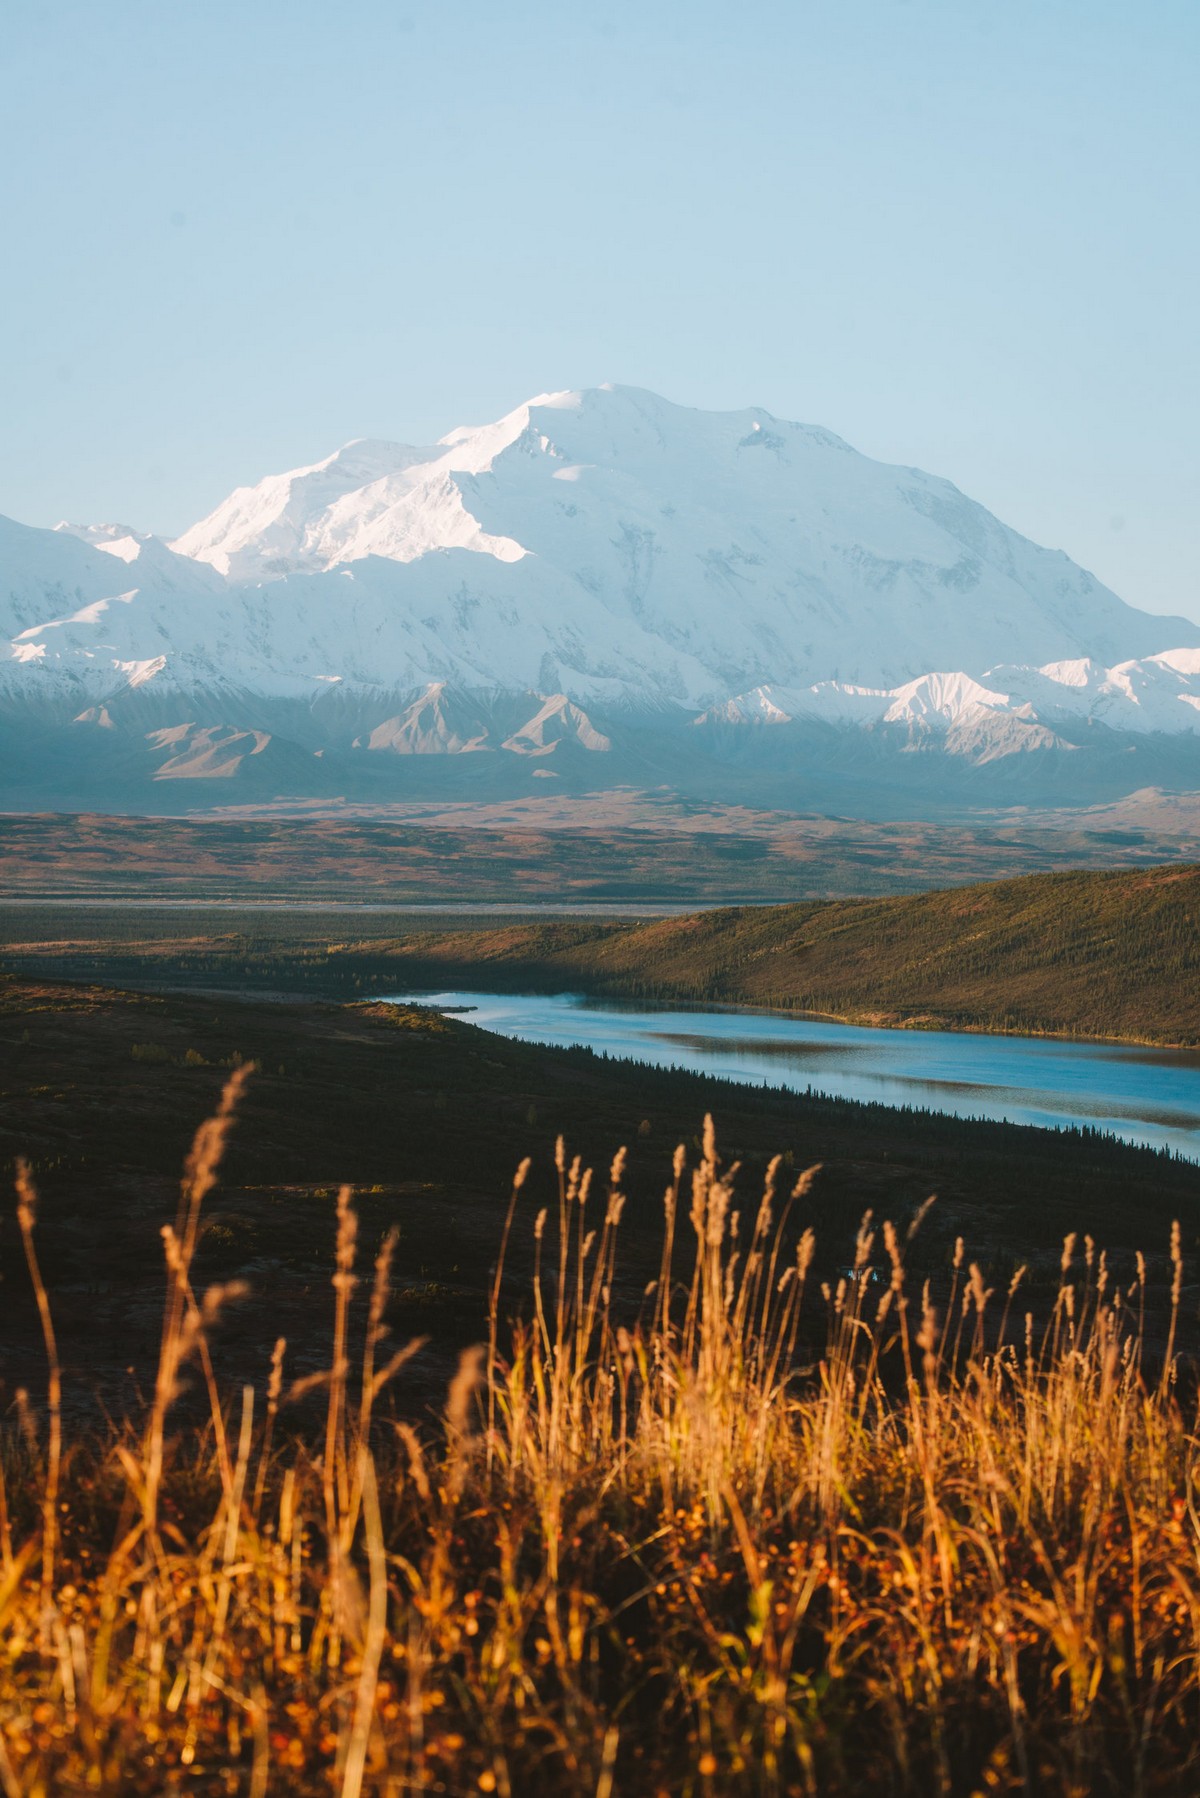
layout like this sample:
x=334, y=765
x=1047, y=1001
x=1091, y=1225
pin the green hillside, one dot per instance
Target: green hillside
x=1113, y=954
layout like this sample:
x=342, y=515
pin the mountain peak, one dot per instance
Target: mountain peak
x=616, y=555
x=375, y=497
x=263, y=531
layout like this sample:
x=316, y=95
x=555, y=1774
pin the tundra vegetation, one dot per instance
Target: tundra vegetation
x=1113, y=954
x=592, y=848
x=1099, y=954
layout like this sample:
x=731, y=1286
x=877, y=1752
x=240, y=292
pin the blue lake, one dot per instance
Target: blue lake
x=1144, y=1095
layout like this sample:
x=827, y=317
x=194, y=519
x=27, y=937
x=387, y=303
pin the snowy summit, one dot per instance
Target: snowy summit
x=605, y=554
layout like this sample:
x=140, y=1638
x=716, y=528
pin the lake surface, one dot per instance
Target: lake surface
x=1147, y=1096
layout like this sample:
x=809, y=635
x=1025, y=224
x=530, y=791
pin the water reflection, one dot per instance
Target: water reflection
x=1144, y=1095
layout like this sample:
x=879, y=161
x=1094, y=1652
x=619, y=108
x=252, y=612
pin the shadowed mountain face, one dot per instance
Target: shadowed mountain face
x=600, y=589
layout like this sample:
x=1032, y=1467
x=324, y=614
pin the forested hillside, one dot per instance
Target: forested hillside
x=1112, y=954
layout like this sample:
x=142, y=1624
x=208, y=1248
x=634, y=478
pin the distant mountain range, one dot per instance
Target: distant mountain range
x=600, y=589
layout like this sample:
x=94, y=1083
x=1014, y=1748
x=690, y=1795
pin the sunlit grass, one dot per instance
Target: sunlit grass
x=667, y=1549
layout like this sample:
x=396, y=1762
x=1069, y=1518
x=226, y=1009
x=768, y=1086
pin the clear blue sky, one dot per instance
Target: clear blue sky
x=961, y=234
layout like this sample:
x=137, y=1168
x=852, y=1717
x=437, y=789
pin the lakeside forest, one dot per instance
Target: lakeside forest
x=1079, y=953
x=1111, y=954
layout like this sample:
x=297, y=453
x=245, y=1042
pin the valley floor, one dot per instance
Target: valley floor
x=627, y=848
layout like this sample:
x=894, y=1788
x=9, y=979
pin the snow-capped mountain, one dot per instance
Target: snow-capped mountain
x=598, y=579
x=1160, y=693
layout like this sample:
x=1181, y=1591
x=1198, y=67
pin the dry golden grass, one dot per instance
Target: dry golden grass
x=957, y=1553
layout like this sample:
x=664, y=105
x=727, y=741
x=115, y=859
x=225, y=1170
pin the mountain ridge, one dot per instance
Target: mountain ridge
x=652, y=579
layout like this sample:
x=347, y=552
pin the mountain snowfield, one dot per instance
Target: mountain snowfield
x=1159, y=693
x=597, y=577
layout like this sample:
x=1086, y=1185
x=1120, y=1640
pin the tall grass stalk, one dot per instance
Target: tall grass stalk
x=725, y=1540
